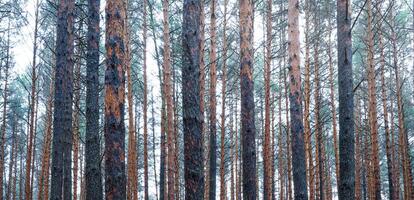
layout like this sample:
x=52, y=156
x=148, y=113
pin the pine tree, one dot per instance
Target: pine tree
x=114, y=130
x=248, y=130
x=295, y=99
x=192, y=114
x=346, y=189
x=61, y=182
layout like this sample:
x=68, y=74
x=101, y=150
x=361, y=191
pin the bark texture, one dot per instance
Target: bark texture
x=295, y=99
x=114, y=130
x=192, y=115
x=248, y=129
x=61, y=182
x=346, y=189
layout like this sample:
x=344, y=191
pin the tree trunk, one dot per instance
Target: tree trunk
x=295, y=98
x=28, y=188
x=318, y=124
x=145, y=103
x=12, y=157
x=358, y=150
x=346, y=189
x=267, y=151
x=76, y=126
x=388, y=146
x=132, y=178
x=280, y=139
x=192, y=114
x=213, y=104
x=233, y=139
x=116, y=57
x=248, y=130
x=44, y=174
x=62, y=118
x=376, y=184
x=223, y=108
x=3, y=126
x=169, y=100
x=93, y=174
x=307, y=93
x=154, y=164
x=332, y=104
x=402, y=142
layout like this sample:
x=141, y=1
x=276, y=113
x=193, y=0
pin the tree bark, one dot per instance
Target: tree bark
x=62, y=118
x=267, y=151
x=295, y=98
x=169, y=100
x=213, y=104
x=223, y=109
x=145, y=103
x=28, y=188
x=116, y=57
x=376, y=184
x=346, y=189
x=192, y=114
x=93, y=174
x=248, y=130
x=402, y=141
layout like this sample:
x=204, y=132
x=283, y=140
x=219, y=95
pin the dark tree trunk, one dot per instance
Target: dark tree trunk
x=346, y=189
x=93, y=174
x=62, y=117
x=248, y=129
x=192, y=115
x=295, y=99
x=115, y=179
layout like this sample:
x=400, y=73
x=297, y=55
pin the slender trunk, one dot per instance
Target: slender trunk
x=376, y=184
x=223, y=108
x=28, y=188
x=154, y=164
x=192, y=113
x=267, y=151
x=403, y=143
x=34, y=145
x=93, y=174
x=394, y=153
x=388, y=146
x=44, y=178
x=176, y=144
x=5, y=101
x=145, y=103
x=132, y=178
x=358, y=151
x=116, y=58
x=11, y=162
x=13, y=187
x=213, y=104
x=332, y=104
x=232, y=149
x=76, y=123
x=318, y=124
x=346, y=189
x=238, y=165
x=280, y=139
x=202, y=97
x=169, y=100
x=307, y=129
